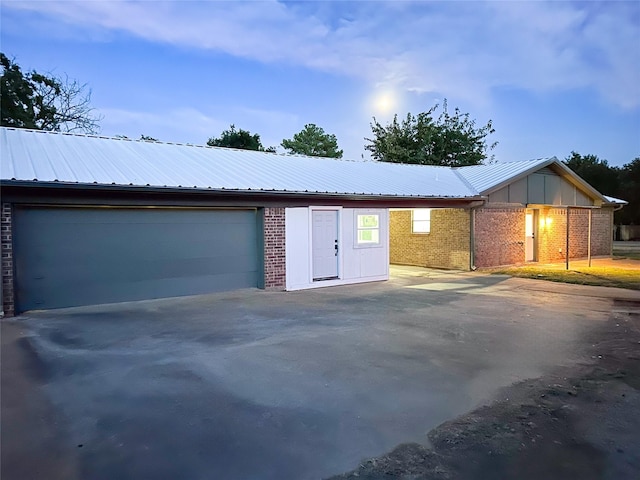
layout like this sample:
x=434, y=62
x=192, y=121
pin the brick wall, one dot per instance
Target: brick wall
x=552, y=233
x=7, y=260
x=274, y=249
x=499, y=236
x=602, y=232
x=446, y=246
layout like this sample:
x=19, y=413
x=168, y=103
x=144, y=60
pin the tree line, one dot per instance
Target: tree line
x=619, y=182
x=434, y=137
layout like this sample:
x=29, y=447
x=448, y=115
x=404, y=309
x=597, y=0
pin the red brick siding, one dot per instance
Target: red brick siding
x=499, y=236
x=7, y=260
x=274, y=249
x=602, y=232
x=552, y=234
x=446, y=246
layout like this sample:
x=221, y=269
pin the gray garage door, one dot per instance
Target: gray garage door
x=83, y=256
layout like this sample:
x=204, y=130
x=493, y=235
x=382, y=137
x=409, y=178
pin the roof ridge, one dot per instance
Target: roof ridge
x=464, y=180
x=181, y=144
x=196, y=145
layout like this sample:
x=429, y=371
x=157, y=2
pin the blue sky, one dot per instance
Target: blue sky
x=553, y=76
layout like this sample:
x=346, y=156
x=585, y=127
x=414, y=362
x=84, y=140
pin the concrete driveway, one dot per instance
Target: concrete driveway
x=271, y=385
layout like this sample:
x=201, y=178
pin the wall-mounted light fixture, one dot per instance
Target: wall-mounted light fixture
x=545, y=222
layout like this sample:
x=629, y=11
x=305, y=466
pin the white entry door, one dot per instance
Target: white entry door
x=529, y=237
x=324, y=242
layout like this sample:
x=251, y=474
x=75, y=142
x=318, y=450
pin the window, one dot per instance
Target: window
x=368, y=229
x=421, y=220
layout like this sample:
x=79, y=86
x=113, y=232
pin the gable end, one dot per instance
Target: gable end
x=549, y=185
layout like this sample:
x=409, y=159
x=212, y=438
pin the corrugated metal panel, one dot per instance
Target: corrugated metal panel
x=29, y=155
x=485, y=177
x=615, y=200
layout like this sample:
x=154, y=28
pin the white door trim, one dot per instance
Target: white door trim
x=337, y=209
x=530, y=233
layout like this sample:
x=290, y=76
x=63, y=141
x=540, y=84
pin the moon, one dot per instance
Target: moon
x=384, y=102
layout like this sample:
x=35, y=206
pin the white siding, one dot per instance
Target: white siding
x=356, y=263
x=298, y=248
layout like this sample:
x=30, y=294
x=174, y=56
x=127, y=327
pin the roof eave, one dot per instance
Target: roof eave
x=227, y=191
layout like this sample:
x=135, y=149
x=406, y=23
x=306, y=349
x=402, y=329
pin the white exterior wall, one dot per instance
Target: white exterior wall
x=356, y=263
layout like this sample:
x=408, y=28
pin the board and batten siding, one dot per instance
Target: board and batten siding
x=543, y=187
x=356, y=263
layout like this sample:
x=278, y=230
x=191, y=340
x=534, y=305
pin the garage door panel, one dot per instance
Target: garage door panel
x=127, y=216
x=137, y=290
x=157, y=234
x=80, y=256
x=147, y=269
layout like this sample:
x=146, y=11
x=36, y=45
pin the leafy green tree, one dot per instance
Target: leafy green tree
x=41, y=102
x=451, y=140
x=239, y=138
x=596, y=172
x=313, y=141
x=629, y=190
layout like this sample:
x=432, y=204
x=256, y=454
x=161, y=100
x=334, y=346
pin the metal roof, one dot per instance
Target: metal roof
x=483, y=178
x=44, y=157
x=615, y=200
x=34, y=156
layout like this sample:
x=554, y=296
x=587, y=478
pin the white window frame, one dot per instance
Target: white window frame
x=357, y=229
x=424, y=223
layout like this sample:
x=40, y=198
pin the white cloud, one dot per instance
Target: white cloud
x=457, y=49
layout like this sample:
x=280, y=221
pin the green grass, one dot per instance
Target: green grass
x=600, y=276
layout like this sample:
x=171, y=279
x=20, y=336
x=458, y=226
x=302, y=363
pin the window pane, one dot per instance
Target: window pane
x=367, y=221
x=368, y=236
x=422, y=214
x=421, y=220
x=421, y=226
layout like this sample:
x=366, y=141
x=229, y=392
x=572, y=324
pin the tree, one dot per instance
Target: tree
x=313, y=141
x=630, y=191
x=595, y=171
x=452, y=140
x=42, y=102
x=241, y=139
x=623, y=183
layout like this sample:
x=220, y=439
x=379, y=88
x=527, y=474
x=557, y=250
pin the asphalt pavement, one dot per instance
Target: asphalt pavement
x=273, y=385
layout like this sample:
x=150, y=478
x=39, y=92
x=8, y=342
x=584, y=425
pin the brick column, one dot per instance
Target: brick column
x=499, y=236
x=274, y=249
x=7, y=260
